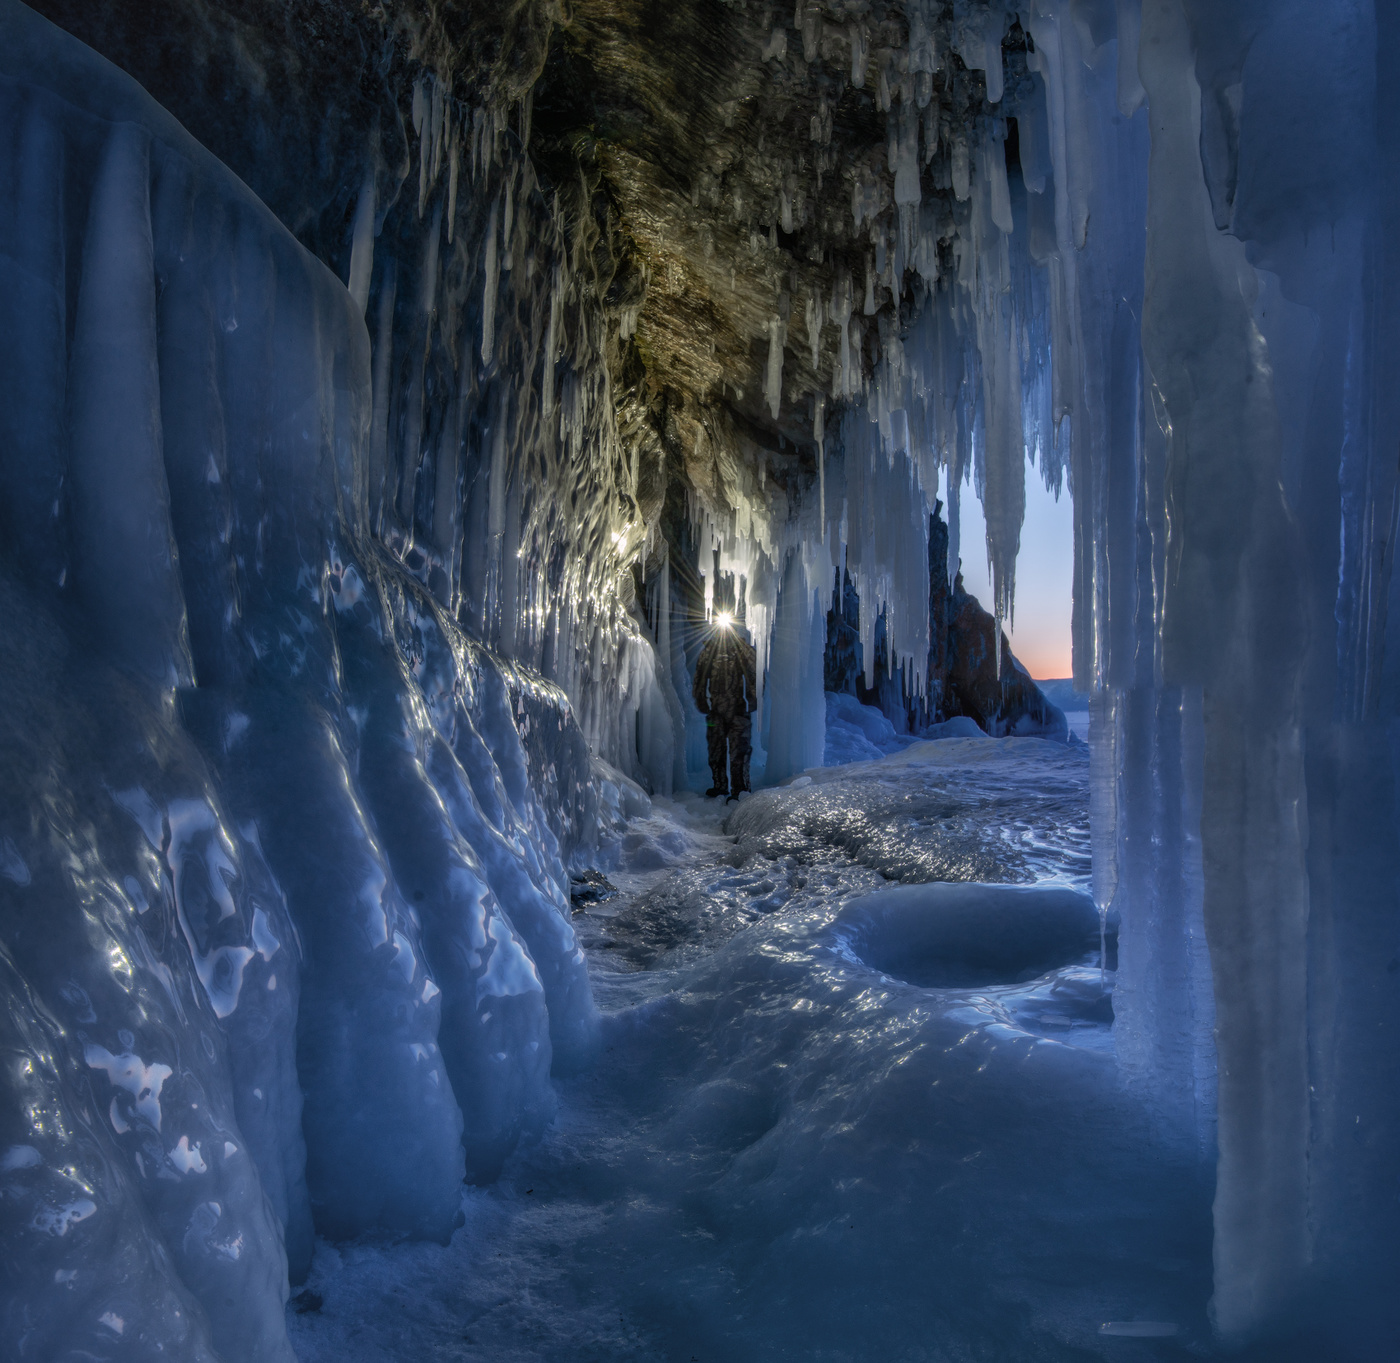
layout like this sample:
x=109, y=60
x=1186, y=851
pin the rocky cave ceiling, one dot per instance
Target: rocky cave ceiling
x=738, y=162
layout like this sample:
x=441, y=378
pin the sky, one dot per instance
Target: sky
x=1044, y=575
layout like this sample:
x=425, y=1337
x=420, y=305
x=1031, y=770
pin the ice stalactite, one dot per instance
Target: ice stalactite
x=886, y=542
x=362, y=245
x=796, y=728
x=773, y=381
x=1233, y=590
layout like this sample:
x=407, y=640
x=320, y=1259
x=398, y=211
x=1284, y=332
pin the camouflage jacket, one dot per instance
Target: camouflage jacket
x=725, y=680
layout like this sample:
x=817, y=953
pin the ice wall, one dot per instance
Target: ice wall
x=1234, y=495
x=285, y=923
x=496, y=472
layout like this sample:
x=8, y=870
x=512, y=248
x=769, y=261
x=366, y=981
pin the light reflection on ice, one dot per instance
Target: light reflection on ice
x=509, y=970
x=129, y=1073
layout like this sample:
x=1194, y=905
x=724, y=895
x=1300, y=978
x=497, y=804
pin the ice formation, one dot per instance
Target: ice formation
x=287, y=931
x=368, y=478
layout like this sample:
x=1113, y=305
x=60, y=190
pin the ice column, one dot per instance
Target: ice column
x=1233, y=588
x=797, y=724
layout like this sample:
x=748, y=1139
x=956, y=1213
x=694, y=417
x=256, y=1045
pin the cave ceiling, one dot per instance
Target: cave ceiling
x=723, y=148
x=731, y=141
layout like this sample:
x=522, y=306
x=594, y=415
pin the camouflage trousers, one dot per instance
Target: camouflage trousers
x=727, y=736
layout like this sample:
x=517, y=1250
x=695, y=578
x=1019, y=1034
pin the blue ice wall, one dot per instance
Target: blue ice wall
x=284, y=929
x=1235, y=502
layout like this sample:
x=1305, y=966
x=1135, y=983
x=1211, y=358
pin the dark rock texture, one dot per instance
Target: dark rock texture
x=963, y=676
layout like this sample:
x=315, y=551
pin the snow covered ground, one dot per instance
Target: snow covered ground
x=832, y=1119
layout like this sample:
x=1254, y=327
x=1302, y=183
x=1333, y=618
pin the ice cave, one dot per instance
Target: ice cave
x=527, y=829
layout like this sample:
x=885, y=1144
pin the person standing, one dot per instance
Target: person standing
x=726, y=693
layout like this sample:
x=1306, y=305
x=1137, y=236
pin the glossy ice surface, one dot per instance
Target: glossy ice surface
x=789, y=1150
x=284, y=927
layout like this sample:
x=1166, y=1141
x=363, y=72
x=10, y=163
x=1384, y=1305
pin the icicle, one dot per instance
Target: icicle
x=362, y=242
x=815, y=316
x=962, y=176
x=419, y=105
x=488, y=304
x=995, y=22
x=509, y=225
x=930, y=120
x=860, y=54
x=422, y=175
x=479, y=133
x=994, y=167
x=453, y=169
x=841, y=315
x=428, y=278
x=773, y=385
x=907, y=189
x=923, y=55
x=437, y=128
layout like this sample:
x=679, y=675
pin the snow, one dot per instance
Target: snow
x=856, y=732
x=800, y=1143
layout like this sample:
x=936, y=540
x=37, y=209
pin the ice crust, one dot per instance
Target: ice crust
x=790, y=1151
x=938, y=810
x=285, y=924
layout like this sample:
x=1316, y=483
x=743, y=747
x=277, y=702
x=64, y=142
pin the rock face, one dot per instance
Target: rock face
x=963, y=677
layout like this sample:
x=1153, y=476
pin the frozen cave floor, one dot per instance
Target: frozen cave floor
x=787, y=1149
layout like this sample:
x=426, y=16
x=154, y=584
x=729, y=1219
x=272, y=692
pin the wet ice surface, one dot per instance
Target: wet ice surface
x=792, y=1148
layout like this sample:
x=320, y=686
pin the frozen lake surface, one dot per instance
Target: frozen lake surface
x=832, y=1118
